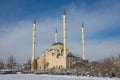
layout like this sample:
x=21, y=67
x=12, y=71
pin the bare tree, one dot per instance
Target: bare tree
x=27, y=65
x=11, y=62
x=1, y=64
x=119, y=57
x=113, y=58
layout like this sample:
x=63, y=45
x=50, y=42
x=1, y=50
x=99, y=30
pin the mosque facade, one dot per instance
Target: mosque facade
x=57, y=56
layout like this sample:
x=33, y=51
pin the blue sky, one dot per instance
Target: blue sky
x=101, y=19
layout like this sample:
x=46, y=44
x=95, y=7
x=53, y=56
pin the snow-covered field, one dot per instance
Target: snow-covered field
x=49, y=77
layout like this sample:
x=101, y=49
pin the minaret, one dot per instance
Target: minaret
x=33, y=46
x=64, y=33
x=56, y=36
x=83, y=43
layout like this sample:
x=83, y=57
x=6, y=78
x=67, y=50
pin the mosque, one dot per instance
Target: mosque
x=58, y=56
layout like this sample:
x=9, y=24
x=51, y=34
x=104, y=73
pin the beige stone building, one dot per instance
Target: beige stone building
x=54, y=58
x=57, y=56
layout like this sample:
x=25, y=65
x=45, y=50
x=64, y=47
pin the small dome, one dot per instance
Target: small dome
x=57, y=43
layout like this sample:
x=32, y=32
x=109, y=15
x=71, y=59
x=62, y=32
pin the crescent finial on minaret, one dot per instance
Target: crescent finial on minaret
x=56, y=30
x=82, y=25
x=34, y=20
x=64, y=12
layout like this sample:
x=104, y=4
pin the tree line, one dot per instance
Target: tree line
x=107, y=67
x=12, y=64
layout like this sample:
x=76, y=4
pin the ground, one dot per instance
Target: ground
x=49, y=77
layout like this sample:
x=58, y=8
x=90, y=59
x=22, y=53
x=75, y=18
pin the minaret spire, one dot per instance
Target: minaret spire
x=34, y=20
x=33, y=46
x=56, y=36
x=64, y=12
x=64, y=33
x=82, y=25
x=83, y=43
x=56, y=30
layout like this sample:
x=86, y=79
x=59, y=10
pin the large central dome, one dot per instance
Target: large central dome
x=57, y=43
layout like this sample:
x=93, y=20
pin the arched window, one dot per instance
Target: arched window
x=59, y=66
x=53, y=67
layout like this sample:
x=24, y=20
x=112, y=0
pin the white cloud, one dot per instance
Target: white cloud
x=95, y=20
x=97, y=50
x=16, y=40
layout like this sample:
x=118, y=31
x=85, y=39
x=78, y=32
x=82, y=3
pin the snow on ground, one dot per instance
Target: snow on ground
x=49, y=77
